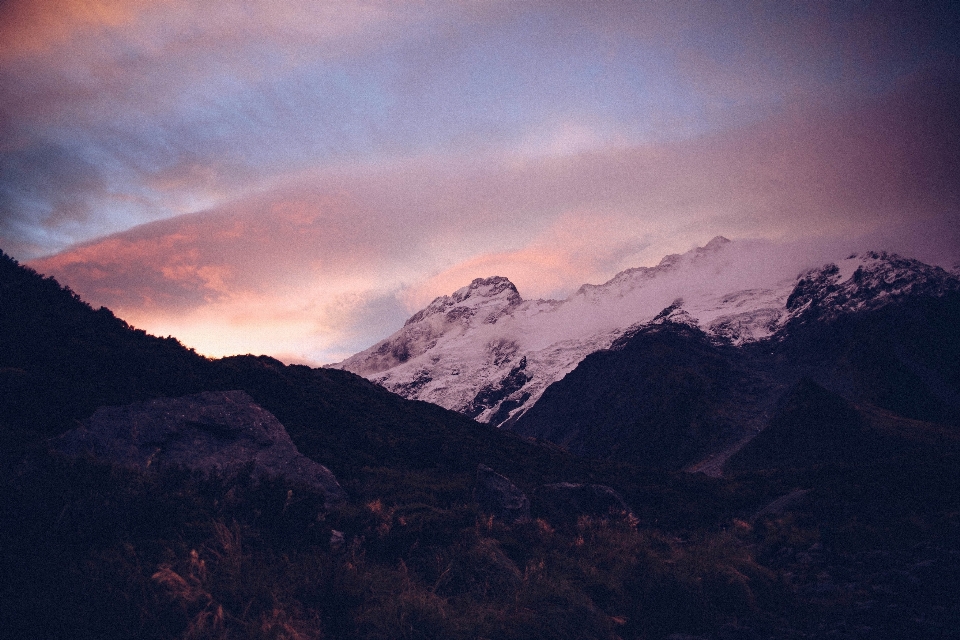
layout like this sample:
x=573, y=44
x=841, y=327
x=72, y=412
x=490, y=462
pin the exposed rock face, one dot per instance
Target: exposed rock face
x=211, y=432
x=492, y=394
x=498, y=497
x=565, y=502
x=865, y=282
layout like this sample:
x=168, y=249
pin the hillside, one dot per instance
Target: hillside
x=61, y=360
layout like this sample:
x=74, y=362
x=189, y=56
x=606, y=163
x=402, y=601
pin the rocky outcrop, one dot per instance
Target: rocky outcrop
x=497, y=496
x=865, y=282
x=562, y=503
x=223, y=433
x=492, y=394
x=781, y=504
x=481, y=570
x=565, y=502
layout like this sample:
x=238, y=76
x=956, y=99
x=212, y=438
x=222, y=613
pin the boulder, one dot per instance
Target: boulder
x=497, y=496
x=565, y=502
x=218, y=433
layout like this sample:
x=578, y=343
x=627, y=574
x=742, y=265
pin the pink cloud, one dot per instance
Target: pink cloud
x=578, y=247
x=308, y=257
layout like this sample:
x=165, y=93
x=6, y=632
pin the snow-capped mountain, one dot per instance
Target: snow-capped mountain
x=863, y=283
x=486, y=352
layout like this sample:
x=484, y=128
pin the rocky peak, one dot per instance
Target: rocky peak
x=675, y=314
x=864, y=282
x=491, y=287
x=483, y=301
x=495, y=291
x=716, y=243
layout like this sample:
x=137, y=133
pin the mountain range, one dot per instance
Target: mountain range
x=149, y=492
x=682, y=363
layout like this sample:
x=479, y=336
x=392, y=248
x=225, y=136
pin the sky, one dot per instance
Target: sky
x=297, y=178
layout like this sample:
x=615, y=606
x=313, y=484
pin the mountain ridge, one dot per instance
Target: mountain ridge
x=462, y=350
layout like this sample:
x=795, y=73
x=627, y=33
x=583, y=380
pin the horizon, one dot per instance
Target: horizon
x=297, y=181
x=803, y=257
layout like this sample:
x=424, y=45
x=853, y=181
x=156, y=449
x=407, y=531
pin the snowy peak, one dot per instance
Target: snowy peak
x=698, y=253
x=675, y=314
x=494, y=295
x=865, y=282
x=716, y=243
x=629, y=279
x=484, y=301
x=492, y=287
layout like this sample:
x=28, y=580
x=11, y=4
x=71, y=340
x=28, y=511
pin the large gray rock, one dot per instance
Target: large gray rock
x=565, y=502
x=214, y=432
x=497, y=496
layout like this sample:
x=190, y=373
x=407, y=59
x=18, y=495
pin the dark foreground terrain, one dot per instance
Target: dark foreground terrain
x=840, y=520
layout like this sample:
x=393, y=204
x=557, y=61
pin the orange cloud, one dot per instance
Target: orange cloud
x=126, y=272
x=30, y=26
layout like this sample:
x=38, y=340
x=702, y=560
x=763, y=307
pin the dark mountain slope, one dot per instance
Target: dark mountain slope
x=811, y=427
x=660, y=397
x=355, y=427
x=60, y=359
x=904, y=357
x=666, y=394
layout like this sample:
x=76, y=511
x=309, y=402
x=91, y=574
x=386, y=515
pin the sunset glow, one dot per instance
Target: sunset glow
x=297, y=179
